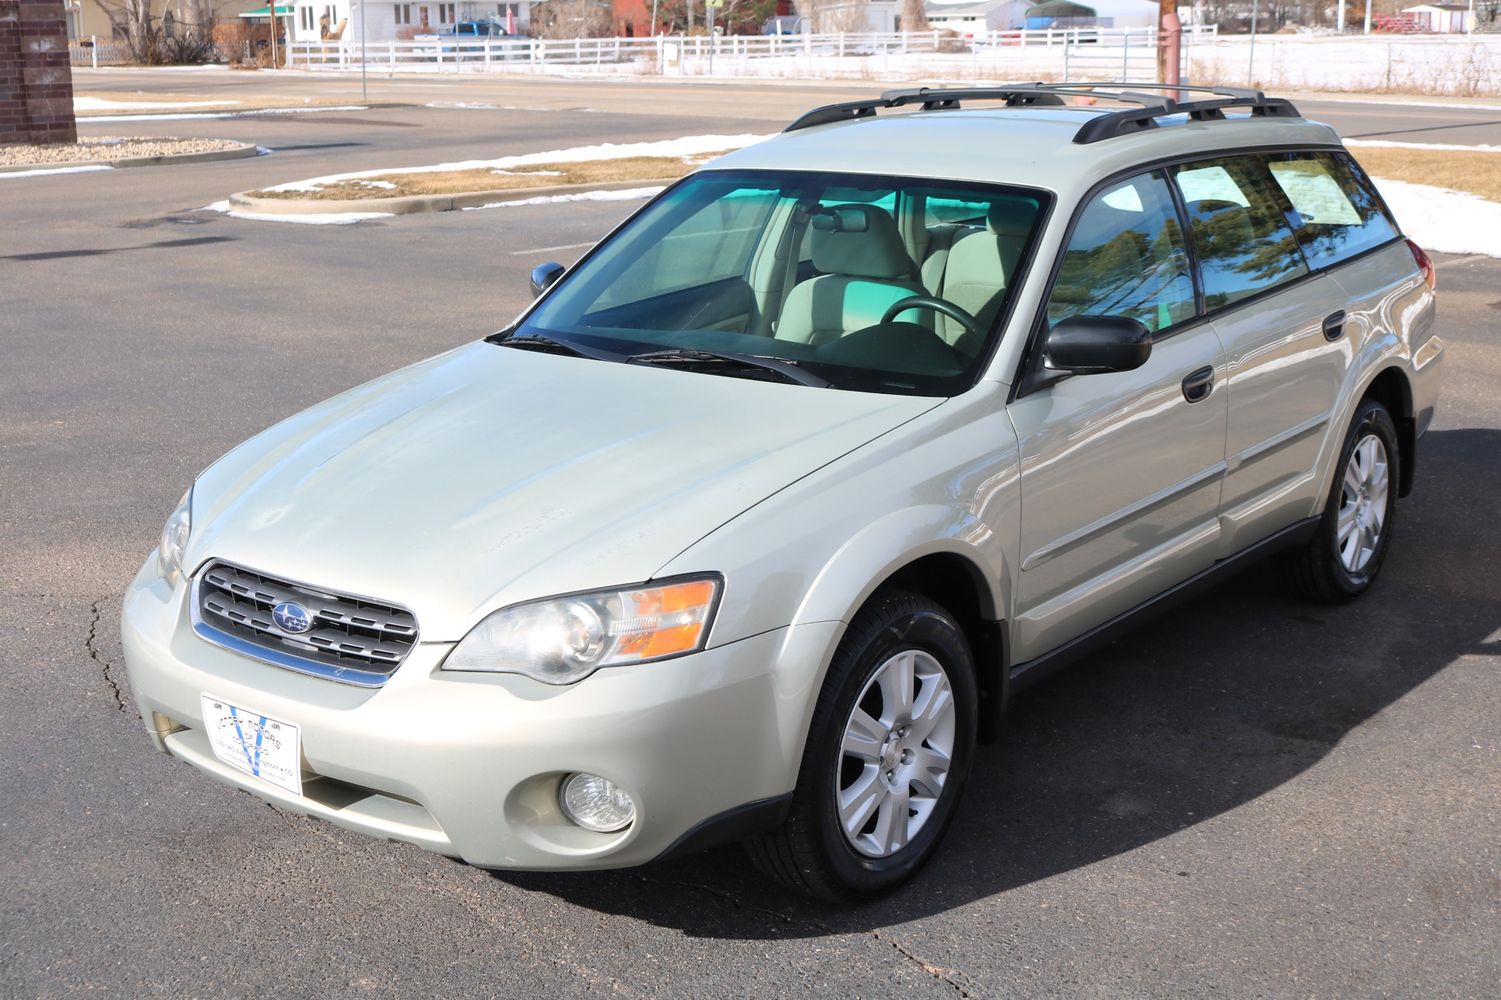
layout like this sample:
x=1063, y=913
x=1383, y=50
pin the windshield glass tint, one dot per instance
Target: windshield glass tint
x=809, y=268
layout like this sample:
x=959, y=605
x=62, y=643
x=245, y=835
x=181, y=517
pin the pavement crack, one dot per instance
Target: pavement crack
x=90, y=643
x=937, y=972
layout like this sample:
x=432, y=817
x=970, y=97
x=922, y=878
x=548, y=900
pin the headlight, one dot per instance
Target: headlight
x=175, y=537
x=565, y=639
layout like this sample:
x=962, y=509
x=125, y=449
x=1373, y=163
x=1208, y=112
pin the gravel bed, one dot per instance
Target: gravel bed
x=107, y=148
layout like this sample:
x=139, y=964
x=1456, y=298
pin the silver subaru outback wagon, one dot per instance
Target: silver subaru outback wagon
x=750, y=526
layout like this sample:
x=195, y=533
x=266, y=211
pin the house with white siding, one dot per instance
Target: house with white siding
x=331, y=20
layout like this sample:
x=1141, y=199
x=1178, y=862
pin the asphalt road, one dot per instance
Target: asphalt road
x=1251, y=797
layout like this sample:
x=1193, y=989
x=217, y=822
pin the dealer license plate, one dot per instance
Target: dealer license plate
x=261, y=746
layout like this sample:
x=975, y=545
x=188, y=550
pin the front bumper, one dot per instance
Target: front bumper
x=468, y=765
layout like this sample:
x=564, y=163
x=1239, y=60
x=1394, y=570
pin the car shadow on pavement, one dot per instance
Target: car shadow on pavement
x=1196, y=713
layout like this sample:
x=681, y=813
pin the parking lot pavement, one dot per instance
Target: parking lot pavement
x=1249, y=797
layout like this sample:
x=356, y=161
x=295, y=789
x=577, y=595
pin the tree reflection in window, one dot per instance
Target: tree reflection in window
x=1126, y=257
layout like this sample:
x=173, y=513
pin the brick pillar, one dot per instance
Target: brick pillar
x=36, y=78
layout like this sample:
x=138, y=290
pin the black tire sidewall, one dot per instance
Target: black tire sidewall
x=928, y=628
x=1371, y=418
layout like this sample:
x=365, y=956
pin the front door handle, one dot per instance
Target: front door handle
x=1334, y=325
x=1197, y=385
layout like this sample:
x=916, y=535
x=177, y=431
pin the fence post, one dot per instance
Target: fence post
x=94, y=51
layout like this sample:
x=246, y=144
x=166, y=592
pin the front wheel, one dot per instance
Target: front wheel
x=888, y=753
x=1342, y=559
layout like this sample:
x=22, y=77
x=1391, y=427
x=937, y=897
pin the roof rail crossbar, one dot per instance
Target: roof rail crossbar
x=1148, y=108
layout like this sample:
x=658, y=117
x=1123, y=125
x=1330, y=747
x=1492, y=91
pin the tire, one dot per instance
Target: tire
x=811, y=851
x=1327, y=569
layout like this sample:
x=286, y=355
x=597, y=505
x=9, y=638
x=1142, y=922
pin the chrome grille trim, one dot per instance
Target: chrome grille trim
x=354, y=640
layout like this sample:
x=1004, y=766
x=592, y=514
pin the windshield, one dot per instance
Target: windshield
x=818, y=270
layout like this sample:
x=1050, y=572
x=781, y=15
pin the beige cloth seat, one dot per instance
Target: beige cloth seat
x=865, y=268
x=980, y=266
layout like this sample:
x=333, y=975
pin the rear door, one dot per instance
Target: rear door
x=1282, y=326
x=1120, y=472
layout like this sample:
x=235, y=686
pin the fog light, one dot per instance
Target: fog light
x=596, y=803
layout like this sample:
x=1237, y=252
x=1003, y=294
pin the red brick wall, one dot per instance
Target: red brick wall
x=36, y=79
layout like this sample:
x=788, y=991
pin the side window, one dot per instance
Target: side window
x=1336, y=211
x=1242, y=238
x=1126, y=257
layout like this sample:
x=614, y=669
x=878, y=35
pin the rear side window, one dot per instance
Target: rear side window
x=1335, y=210
x=1126, y=257
x=1242, y=238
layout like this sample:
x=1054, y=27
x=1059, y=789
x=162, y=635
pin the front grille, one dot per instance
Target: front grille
x=350, y=639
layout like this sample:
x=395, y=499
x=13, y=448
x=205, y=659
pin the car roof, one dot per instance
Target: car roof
x=1028, y=146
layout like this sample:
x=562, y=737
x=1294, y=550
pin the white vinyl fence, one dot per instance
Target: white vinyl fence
x=1097, y=53
x=94, y=51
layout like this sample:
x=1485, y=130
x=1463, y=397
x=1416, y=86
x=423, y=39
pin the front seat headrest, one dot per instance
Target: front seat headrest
x=1010, y=216
x=860, y=241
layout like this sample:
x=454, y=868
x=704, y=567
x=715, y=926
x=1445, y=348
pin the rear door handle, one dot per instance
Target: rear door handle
x=1334, y=325
x=1197, y=385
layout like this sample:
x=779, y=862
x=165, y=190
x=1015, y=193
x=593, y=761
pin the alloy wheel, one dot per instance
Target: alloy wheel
x=896, y=753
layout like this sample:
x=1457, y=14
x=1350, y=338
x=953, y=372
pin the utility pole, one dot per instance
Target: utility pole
x=271, y=8
x=364, y=85
x=1169, y=43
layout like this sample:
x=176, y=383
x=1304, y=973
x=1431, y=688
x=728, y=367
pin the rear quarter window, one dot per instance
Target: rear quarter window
x=1336, y=212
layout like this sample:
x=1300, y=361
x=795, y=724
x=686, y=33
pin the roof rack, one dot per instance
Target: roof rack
x=1148, y=107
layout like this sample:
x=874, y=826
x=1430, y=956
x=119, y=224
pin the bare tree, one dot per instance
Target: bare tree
x=911, y=16
x=179, y=33
x=834, y=16
x=571, y=19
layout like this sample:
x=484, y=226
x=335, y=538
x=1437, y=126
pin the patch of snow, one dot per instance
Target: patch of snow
x=107, y=104
x=89, y=168
x=319, y=219
x=1442, y=220
x=689, y=145
x=1437, y=147
x=627, y=194
x=382, y=185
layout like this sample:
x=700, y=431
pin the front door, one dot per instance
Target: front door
x=1121, y=472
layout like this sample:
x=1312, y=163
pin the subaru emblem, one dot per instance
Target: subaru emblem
x=292, y=617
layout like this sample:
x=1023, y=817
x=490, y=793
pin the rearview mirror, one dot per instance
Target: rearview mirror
x=1094, y=345
x=544, y=276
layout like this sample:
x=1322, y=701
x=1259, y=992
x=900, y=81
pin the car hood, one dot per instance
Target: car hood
x=489, y=475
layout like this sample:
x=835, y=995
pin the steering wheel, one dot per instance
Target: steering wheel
x=953, y=312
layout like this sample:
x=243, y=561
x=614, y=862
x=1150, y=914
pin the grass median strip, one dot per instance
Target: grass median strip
x=1477, y=173
x=398, y=184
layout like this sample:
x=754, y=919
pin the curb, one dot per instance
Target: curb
x=239, y=152
x=236, y=111
x=414, y=203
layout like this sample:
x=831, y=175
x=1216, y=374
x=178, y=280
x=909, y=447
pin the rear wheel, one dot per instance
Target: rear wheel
x=1342, y=559
x=888, y=753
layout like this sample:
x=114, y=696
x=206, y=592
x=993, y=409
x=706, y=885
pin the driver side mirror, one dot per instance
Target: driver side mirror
x=544, y=276
x=1095, y=345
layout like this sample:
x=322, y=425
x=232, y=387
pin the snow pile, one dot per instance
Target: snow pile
x=318, y=219
x=1442, y=220
x=89, y=168
x=691, y=145
x=627, y=194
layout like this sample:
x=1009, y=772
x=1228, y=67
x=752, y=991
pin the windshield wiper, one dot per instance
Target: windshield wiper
x=551, y=343
x=788, y=371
